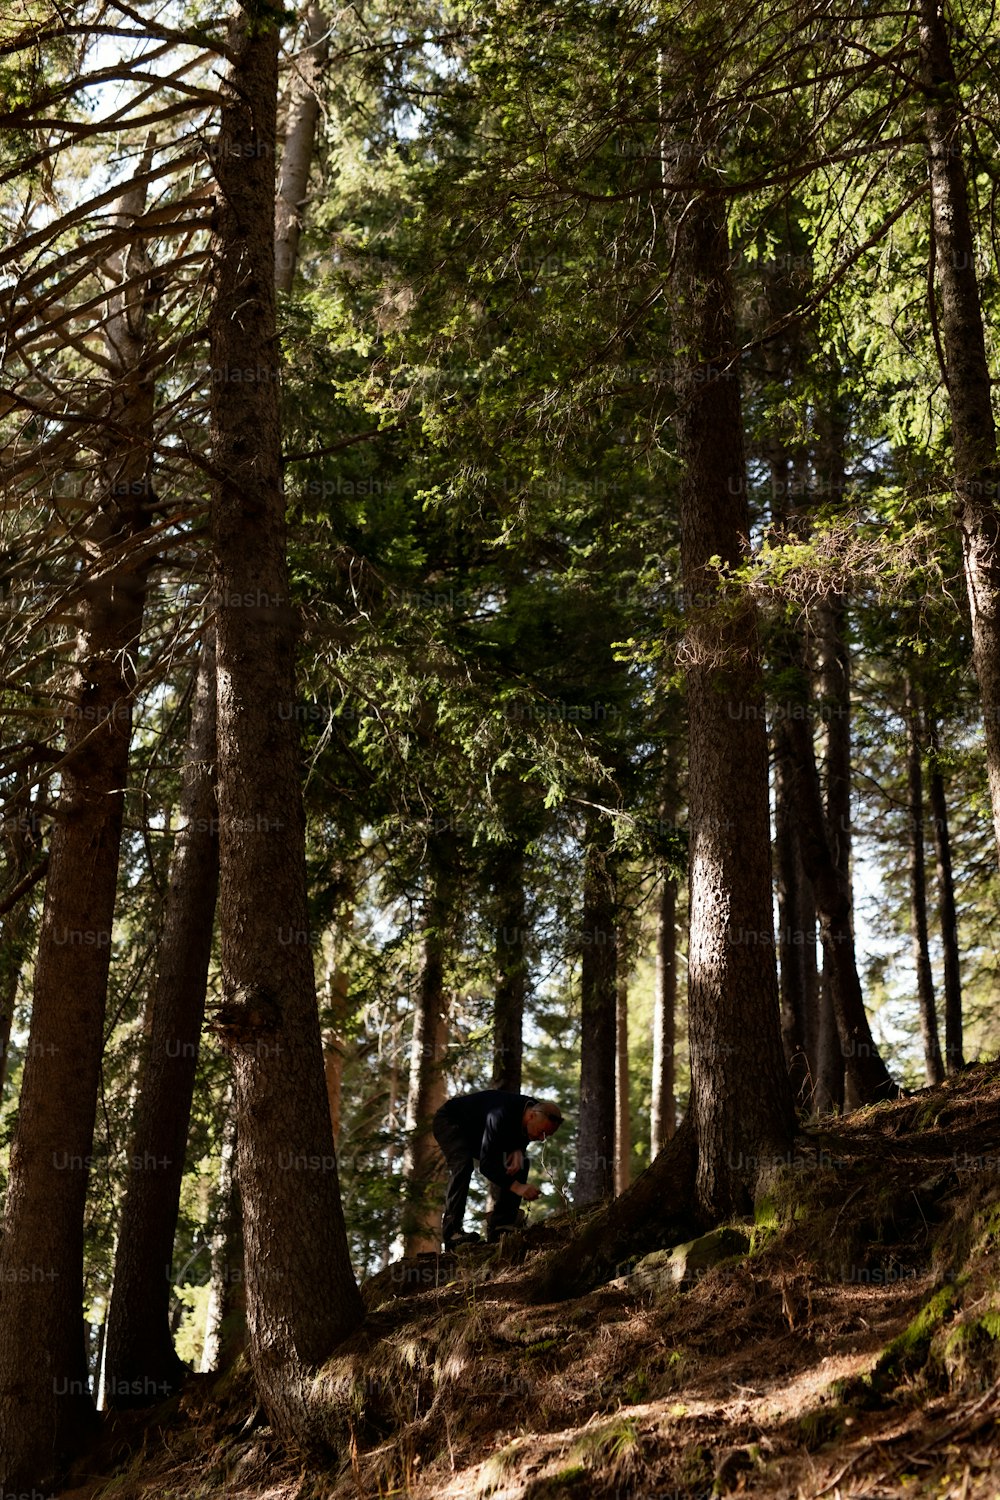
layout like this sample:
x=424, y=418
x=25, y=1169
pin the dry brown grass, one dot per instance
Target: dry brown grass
x=798, y=1370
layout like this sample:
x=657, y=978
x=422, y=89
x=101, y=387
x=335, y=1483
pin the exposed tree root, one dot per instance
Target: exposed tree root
x=658, y=1209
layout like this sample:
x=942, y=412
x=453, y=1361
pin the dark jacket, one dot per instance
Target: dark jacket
x=492, y=1124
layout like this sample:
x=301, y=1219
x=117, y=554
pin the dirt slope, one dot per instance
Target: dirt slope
x=848, y=1345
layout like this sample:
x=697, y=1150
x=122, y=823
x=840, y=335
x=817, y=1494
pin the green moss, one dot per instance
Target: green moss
x=696, y=1469
x=906, y=1355
x=909, y=1348
x=989, y=1321
x=543, y=1347
x=767, y=1213
x=608, y=1440
x=970, y=1355
x=989, y=1233
x=822, y=1425
x=637, y=1388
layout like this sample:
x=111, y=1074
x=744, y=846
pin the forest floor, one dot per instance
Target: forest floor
x=849, y=1345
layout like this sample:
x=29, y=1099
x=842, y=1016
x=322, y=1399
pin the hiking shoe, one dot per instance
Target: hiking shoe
x=462, y=1239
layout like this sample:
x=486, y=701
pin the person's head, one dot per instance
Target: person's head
x=541, y=1119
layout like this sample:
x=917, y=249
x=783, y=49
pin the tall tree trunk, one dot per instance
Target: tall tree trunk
x=392, y=1135
x=421, y=1220
x=865, y=1068
x=933, y=1064
x=45, y=1402
x=834, y=693
x=828, y=1095
x=740, y=1100
x=300, y=140
x=595, y=1144
x=225, y=1316
x=834, y=687
x=141, y=1365
x=511, y=967
x=301, y=1295
x=794, y=908
x=13, y=948
x=334, y=1044
x=623, y=1114
x=662, y=1121
x=966, y=372
x=953, y=1044
x=785, y=364
x=21, y=838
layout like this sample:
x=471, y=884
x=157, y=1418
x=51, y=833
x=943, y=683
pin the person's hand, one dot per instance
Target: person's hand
x=526, y=1190
x=515, y=1162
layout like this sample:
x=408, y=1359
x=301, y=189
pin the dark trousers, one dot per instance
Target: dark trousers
x=459, y=1153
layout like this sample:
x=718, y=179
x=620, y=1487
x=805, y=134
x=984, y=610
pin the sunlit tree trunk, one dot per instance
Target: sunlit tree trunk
x=301, y=1294
x=835, y=700
x=865, y=1066
x=966, y=371
x=595, y=1149
x=953, y=1044
x=785, y=367
x=299, y=146
x=664, y=1107
x=45, y=1402
x=623, y=1113
x=740, y=1100
x=392, y=1133
x=427, y=1090
x=334, y=1044
x=141, y=1364
x=225, y=1316
x=919, y=941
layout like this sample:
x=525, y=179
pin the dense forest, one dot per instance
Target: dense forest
x=499, y=588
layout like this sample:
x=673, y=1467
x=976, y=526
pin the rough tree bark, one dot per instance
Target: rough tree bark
x=920, y=944
x=785, y=365
x=966, y=372
x=663, y=1111
x=511, y=967
x=741, y=1105
x=623, y=1113
x=45, y=1402
x=953, y=1044
x=225, y=1316
x=301, y=1295
x=865, y=1068
x=834, y=683
x=797, y=988
x=421, y=1217
x=595, y=1142
x=140, y=1359
x=300, y=140
x=141, y=1365
x=334, y=1043
x=21, y=839
x=823, y=840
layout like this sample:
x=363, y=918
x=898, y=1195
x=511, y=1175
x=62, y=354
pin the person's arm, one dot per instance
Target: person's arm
x=494, y=1151
x=504, y=1163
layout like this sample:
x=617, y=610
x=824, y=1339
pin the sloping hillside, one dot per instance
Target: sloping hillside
x=848, y=1343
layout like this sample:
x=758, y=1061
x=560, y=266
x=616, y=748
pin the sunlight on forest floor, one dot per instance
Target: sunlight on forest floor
x=854, y=1352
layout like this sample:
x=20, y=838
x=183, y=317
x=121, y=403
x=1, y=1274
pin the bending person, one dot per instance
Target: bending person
x=492, y=1127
